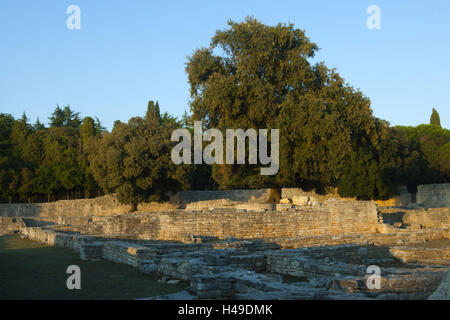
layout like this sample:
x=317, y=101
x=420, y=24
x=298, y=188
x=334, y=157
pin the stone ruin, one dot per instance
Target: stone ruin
x=257, y=269
x=304, y=248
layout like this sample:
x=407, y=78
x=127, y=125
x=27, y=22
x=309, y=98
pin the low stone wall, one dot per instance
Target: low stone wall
x=10, y=225
x=298, y=263
x=335, y=217
x=422, y=255
x=101, y=206
x=106, y=205
x=434, y=195
x=254, y=196
x=431, y=218
x=52, y=238
x=290, y=193
x=126, y=253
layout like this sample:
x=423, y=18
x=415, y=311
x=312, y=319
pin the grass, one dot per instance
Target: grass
x=33, y=271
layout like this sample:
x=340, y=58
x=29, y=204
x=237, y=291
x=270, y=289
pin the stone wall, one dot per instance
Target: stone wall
x=101, y=206
x=290, y=193
x=335, y=217
x=430, y=218
x=434, y=195
x=297, y=262
x=255, y=196
x=10, y=225
x=53, y=238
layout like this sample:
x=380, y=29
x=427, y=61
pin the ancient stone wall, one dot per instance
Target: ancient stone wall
x=335, y=217
x=290, y=193
x=430, y=218
x=255, y=196
x=101, y=206
x=108, y=205
x=10, y=225
x=434, y=195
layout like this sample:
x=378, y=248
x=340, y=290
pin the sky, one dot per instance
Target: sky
x=128, y=52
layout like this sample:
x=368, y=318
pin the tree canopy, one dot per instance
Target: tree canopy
x=265, y=79
x=40, y=163
x=134, y=162
x=252, y=76
x=435, y=119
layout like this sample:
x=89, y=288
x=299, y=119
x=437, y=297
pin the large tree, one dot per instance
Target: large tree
x=134, y=160
x=263, y=78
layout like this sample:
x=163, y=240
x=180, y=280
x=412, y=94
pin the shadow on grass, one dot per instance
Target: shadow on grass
x=31, y=270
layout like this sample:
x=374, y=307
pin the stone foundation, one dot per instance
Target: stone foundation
x=334, y=217
x=247, y=250
x=236, y=269
x=434, y=195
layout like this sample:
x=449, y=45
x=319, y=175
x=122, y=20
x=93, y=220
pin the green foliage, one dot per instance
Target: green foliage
x=374, y=171
x=265, y=79
x=134, y=160
x=428, y=160
x=153, y=113
x=39, y=163
x=65, y=117
x=435, y=119
x=252, y=76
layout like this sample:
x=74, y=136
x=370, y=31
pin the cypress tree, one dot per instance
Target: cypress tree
x=153, y=113
x=435, y=119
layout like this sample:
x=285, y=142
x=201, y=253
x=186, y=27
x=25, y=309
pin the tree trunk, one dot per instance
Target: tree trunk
x=133, y=207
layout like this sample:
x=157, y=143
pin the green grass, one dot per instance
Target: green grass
x=31, y=270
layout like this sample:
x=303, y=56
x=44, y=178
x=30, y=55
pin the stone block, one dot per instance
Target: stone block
x=300, y=200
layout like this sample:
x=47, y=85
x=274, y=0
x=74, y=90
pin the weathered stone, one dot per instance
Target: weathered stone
x=300, y=200
x=173, y=281
x=228, y=254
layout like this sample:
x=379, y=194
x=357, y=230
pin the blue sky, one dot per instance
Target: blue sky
x=128, y=52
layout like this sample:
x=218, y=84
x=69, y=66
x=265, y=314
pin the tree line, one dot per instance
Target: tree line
x=262, y=77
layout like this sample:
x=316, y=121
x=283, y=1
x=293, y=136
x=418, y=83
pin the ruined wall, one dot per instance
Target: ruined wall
x=402, y=199
x=108, y=205
x=101, y=206
x=431, y=218
x=296, y=192
x=434, y=195
x=10, y=225
x=335, y=217
x=255, y=196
